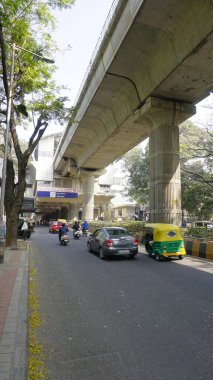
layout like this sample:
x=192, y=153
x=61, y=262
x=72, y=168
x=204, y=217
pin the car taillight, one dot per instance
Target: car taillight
x=135, y=242
x=109, y=243
x=164, y=248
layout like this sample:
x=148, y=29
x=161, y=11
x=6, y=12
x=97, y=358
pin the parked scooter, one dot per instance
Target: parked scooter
x=64, y=239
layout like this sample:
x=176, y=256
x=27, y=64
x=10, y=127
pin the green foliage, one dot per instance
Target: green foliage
x=197, y=199
x=136, y=167
x=132, y=226
x=35, y=96
x=199, y=232
x=28, y=25
x=196, y=152
x=22, y=109
x=196, y=148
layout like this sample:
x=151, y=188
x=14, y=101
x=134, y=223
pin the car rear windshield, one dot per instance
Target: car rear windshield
x=55, y=223
x=117, y=232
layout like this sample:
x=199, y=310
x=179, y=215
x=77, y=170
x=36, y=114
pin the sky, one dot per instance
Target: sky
x=79, y=27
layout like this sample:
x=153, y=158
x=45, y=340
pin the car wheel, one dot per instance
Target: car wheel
x=101, y=255
x=180, y=257
x=88, y=247
x=131, y=257
x=157, y=257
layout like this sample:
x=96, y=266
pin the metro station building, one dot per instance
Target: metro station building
x=58, y=196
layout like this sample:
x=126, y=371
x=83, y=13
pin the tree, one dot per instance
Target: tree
x=196, y=150
x=196, y=154
x=136, y=166
x=196, y=145
x=35, y=96
x=197, y=198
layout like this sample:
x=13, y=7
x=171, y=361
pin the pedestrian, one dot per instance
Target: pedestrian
x=24, y=228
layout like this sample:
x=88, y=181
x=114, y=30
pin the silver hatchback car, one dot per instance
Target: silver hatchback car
x=112, y=241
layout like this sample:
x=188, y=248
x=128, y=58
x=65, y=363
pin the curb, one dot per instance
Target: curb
x=13, y=338
x=197, y=248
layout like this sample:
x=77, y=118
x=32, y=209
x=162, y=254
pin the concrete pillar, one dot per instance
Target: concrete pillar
x=64, y=212
x=107, y=211
x=164, y=118
x=73, y=212
x=58, y=213
x=87, y=196
x=165, y=184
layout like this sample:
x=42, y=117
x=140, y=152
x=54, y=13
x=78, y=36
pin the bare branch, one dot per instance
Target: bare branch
x=199, y=177
x=39, y=131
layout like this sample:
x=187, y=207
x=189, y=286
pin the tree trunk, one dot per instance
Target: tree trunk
x=14, y=196
x=11, y=229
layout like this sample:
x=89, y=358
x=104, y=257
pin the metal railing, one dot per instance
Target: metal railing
x=97, y=47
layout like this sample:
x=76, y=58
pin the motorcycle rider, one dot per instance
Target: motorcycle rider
x=62, y=231
x=85, y=227
x=76, y=227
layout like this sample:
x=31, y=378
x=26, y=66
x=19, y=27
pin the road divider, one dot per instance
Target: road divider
x=199, y=248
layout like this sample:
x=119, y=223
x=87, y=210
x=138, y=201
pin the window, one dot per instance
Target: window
x=104, y=186
x=117, y=232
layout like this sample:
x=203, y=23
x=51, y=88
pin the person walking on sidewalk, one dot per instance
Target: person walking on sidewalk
x=24, y=228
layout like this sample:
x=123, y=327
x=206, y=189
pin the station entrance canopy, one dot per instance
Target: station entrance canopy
x=48, y=199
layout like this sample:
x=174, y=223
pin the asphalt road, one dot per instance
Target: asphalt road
x=123, y=319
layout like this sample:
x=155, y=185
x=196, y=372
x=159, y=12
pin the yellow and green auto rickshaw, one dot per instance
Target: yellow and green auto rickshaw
x=163, y=240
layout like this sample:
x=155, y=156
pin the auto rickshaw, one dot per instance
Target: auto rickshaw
x=163, y=240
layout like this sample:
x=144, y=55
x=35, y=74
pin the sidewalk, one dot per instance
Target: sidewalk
x=13, y=313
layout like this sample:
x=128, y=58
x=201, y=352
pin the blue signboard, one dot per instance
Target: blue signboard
x=56, y=194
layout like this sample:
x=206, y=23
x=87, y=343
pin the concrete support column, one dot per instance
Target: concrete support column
x=107, y=211
x=87, y=196
x=164, y=118
x=58, y=213
x=73, y=212
x=165, y=184
x=64, y=212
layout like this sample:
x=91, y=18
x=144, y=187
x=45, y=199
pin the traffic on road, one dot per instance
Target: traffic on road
x=120, y=318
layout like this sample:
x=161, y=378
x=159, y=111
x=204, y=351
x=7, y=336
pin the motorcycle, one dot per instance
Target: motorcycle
x=85, y=233
x=64, y=239
x=77, y=234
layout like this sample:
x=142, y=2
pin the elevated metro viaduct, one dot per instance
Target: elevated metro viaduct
x=152, y=64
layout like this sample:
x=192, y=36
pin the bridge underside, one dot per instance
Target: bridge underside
x=158, y=50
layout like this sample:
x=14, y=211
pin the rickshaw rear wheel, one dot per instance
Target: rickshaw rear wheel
x=157, y=257
x=180, y=257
